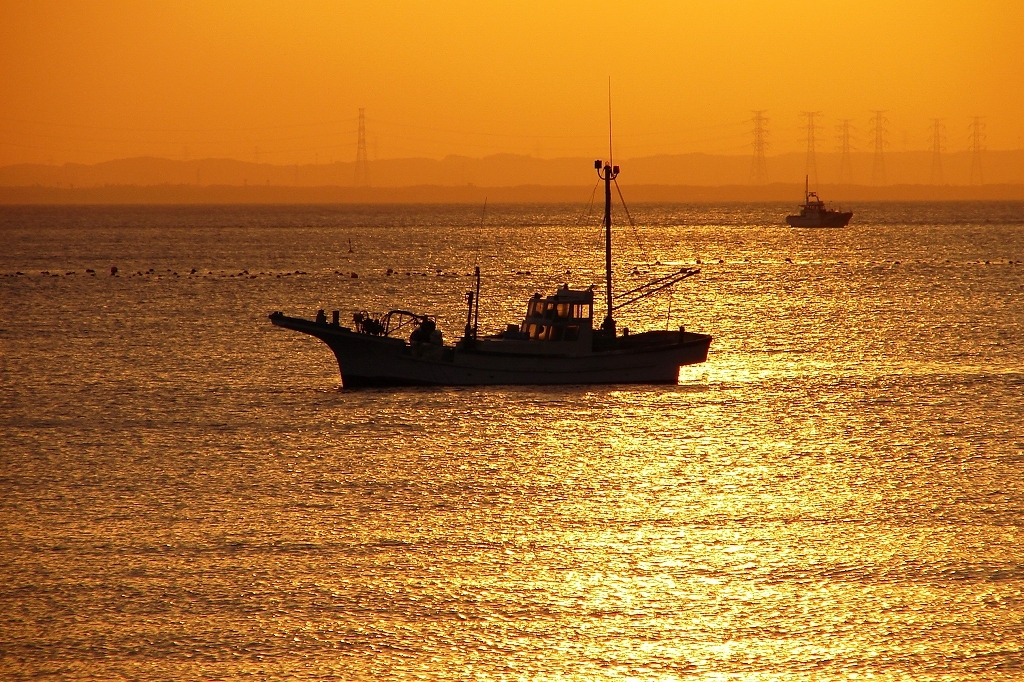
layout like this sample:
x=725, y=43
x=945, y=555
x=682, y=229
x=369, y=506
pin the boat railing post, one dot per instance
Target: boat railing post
x=476, y=307
x=467, y=334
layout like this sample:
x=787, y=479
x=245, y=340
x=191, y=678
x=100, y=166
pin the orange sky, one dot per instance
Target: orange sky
x=281, y=81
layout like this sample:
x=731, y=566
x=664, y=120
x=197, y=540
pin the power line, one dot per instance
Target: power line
x=879, y=132
x=811, y=162
x=977, y=145
x=175, y=141
x=845, y=165
x=362, y=163
x=533, y=136
x=177, y=130
x=758, y=167
x=938, y=131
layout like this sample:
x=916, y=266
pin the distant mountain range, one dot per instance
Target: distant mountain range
x=508, y=170
x=516, y=178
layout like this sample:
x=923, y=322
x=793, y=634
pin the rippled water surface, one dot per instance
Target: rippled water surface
x=187, y=492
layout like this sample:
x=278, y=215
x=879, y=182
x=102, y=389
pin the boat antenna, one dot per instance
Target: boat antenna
x=611, y=156
x=474, y=296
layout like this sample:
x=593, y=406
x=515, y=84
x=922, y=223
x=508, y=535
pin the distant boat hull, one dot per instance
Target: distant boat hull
x=365, y=360
x=821, y=219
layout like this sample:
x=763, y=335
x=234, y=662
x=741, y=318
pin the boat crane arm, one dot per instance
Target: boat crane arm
x=645, y=290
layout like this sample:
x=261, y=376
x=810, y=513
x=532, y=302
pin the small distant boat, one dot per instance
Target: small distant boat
x=814, y=214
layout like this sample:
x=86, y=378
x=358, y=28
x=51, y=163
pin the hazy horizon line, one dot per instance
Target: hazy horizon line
x=517, y=155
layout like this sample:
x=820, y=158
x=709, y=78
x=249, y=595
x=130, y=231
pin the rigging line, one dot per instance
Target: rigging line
x=636, y=234
x=590, y=208
x=668, y=317
x=672, y=283
x=653, y=283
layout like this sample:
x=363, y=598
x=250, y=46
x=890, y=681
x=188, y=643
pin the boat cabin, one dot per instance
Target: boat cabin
x=560, y=323
x=560, y=317
x=812, y=204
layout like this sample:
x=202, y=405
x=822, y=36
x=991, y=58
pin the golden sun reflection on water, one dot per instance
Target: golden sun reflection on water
x=186, y=494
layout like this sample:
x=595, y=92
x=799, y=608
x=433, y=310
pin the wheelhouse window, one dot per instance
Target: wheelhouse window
x=581, y=311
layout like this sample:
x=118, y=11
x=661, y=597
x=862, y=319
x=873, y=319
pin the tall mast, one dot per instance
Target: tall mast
x=608, y=321
x=608, y=172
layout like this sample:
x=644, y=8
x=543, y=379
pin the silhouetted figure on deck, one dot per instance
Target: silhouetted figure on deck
x=424, y=332
x=367, y=325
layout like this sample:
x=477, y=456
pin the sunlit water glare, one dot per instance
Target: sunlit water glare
x=186, y=492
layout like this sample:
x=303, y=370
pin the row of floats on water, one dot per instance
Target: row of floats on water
x=245, y=274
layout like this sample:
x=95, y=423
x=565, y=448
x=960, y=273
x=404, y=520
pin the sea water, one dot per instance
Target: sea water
x=187, y=492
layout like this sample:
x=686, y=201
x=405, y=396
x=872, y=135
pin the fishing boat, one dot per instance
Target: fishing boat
x=555, y=343
x=814, y=214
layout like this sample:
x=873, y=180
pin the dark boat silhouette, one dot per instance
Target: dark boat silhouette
x=556, y=342
x=814, y=214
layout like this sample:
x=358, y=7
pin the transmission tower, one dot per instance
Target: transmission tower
x=845, y=166
x=938, y=134
x=977, y=145
x=362, y=164
x=758, y=167
x=811, y=162
x=879, y=132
